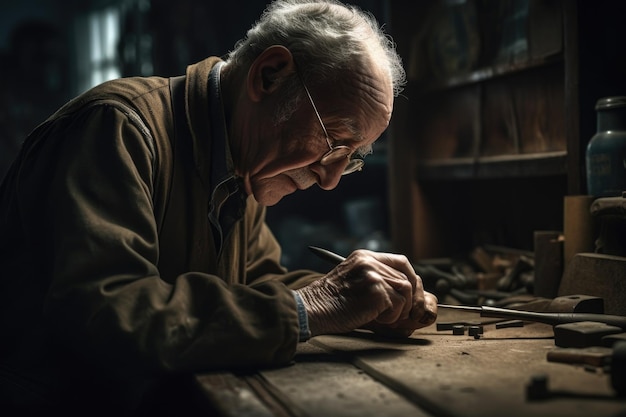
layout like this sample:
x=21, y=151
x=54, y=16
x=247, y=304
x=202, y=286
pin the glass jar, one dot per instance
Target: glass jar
x=606, y=151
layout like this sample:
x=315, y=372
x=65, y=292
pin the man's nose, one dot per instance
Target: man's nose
x=330, y=175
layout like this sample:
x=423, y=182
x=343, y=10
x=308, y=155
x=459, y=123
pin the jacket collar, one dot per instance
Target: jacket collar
x=206, y=120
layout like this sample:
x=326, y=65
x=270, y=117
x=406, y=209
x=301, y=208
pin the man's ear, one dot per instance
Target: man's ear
x=267, y=70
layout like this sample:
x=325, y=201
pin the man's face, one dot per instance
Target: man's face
x=355, y=111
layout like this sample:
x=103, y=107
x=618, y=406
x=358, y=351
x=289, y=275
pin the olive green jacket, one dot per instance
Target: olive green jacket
x=107, y=254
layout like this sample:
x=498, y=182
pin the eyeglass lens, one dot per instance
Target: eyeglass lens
x=337, y=153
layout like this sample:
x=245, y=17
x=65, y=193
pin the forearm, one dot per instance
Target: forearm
x=152, y=326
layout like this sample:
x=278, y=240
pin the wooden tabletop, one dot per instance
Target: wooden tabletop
x=434, y=373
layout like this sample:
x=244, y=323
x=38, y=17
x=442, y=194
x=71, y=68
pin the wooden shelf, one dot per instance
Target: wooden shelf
x=485, y=74
x=486, y=167
x=488, y=155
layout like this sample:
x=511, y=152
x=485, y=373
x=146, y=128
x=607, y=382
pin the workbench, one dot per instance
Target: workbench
x=433, y=373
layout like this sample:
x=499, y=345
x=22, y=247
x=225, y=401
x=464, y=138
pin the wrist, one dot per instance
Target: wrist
x=316, y=310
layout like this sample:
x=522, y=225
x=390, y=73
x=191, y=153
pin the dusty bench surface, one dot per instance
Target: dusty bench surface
x=434, y=373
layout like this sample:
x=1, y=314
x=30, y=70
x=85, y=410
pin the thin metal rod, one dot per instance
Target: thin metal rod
x=327, y=255
x=539, y=317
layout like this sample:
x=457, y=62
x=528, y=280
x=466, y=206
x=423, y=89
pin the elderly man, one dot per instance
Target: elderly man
x=132, y=233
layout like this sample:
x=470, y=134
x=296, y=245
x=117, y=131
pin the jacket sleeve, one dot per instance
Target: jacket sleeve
x=99, y=242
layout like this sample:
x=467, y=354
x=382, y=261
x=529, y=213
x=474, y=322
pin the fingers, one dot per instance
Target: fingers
x=419, y=308
x=427, y=318
x=399, y=272
x=426, y=304
x=424, y=312
x=400, y=295
x=401, y=264
x=397, y=307
x=392, y=276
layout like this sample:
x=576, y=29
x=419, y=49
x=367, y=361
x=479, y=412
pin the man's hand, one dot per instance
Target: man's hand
x=378, y=291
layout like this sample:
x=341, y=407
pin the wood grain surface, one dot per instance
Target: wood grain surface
x=434, y=373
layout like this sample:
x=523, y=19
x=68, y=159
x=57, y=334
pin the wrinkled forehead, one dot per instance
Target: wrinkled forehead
x=356, y=109
x=364, y=90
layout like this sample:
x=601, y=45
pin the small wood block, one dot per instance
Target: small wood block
x=611, y=339
x=594, y=356
x=582, y=334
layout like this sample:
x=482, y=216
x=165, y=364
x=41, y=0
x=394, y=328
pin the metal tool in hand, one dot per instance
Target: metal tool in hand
x=504, y=313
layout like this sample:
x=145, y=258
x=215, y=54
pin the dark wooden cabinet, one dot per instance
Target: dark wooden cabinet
x=490, y=133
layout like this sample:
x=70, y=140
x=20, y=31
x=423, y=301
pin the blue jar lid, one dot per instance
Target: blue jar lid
x=611, y=102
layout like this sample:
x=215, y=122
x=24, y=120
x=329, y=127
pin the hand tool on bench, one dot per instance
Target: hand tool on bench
x=504, y=313
x=547, y=318
x=612, y=360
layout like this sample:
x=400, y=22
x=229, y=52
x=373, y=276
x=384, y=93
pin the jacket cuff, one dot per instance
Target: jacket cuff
x=303, y=320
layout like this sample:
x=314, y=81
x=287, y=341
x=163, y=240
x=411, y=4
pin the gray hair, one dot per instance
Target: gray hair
x=324, y=40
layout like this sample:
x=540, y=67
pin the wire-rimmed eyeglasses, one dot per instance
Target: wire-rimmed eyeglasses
x=335, y=153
